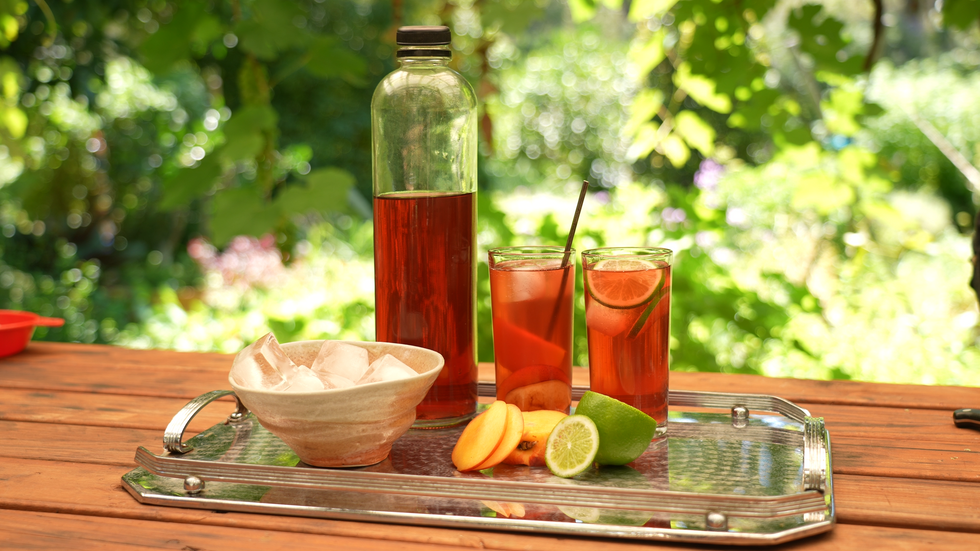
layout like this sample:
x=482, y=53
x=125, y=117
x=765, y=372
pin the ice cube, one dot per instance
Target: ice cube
x=263, y=365
x=527, y=280
x=303, y=380
x=386, y=368
x=332, y=380
x=339, y=358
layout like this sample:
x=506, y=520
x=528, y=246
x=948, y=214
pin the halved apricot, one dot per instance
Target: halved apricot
x=537, y=428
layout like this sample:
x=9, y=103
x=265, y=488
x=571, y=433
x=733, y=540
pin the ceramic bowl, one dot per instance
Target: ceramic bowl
x=348, y=427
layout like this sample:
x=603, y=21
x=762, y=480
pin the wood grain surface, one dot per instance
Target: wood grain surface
x=72, y=416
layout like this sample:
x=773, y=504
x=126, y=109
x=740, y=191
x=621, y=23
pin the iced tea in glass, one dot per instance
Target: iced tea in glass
x=627, y=316
x=531, y=291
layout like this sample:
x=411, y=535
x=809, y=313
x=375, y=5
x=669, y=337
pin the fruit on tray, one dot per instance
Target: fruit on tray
x=603, y=431
x=624, y=431
x=489, y=437
x=572, y=446
x=511, y=438
x=537, y=428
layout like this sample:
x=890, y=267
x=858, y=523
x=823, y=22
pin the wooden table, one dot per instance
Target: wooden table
x=72, y=416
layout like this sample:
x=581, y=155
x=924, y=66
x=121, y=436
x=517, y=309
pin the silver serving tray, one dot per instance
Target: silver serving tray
x=737, y=469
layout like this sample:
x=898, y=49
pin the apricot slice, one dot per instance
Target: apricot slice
x=512, y=437
x=523, y=347
x=480, y=437
x=554, y=395
x=537, y=428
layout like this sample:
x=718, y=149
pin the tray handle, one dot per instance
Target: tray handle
x=816, y=455
x=174, y=435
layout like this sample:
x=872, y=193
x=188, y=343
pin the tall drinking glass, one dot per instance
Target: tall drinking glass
x=531, y=293
x=424, y=150
x=627, y=316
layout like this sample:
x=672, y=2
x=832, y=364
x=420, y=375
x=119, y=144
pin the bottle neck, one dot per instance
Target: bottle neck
x=417, y=55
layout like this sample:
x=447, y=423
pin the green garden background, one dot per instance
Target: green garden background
x=191, y=174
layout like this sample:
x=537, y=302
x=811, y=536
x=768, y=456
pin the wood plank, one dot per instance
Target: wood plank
x=911, y=459
x=158, y=381
x=38, y=367
x=900, y=502
x=903, y=425
x=833, y=392
x=77, y=355
x=28, y=530
x=106, y=410
x=76, y=444
x=94, y=491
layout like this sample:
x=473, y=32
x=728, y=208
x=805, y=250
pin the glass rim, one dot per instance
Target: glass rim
x=499, y=255
x=603, y=253
x=531, y=251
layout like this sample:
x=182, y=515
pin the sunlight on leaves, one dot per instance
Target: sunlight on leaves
x=696, y=132
x=675, y=150
x=645, y=106
x=645, y=9
x=702, y=89
x=648, y=55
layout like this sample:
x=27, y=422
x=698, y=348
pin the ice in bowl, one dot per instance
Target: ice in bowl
x=335, y=403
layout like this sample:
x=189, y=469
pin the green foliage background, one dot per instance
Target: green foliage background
x=190, y=175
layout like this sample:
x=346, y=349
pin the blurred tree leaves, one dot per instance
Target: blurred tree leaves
x=641, y=10
x=191, y=31
x=328, y=58
x=961, y=14
x=267, y=32
x=718, y=55
x=12, y=119
x=510, y=16
x=696, y=132
x=823, y=39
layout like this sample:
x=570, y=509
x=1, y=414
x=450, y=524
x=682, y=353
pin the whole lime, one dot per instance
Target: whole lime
x=624, y=431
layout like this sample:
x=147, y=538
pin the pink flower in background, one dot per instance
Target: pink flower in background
x=247, y=261
x=708, y=174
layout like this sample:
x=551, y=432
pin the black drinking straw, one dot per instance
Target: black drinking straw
x=568, y=254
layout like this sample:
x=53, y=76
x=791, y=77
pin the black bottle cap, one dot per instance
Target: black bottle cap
x=423, y=36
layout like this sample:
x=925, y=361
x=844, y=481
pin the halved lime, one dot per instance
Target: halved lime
x=623, y=282
x=624, y=431
x=572, y=446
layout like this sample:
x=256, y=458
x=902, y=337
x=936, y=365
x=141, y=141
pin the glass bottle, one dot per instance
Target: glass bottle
x=424, y=155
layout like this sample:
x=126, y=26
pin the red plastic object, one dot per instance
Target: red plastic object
x=17, y=328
